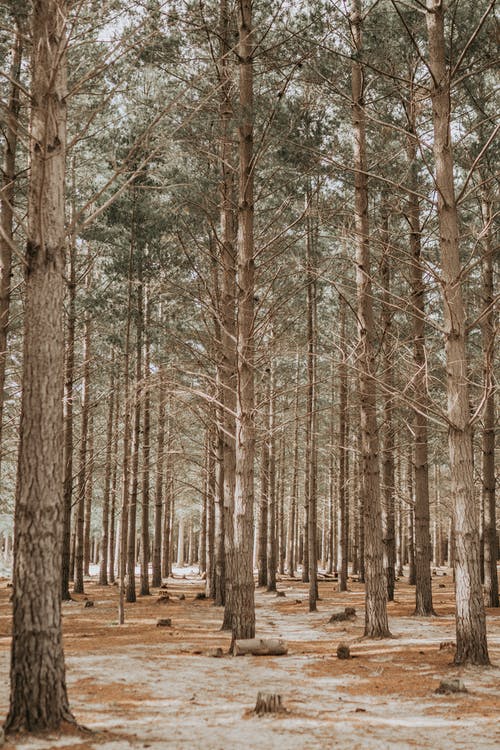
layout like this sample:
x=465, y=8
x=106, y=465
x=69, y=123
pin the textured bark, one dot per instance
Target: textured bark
x=83, y=466
x=262, y=525
x=272, y=552
x=160, y=464
x=376, y=623
x=488, y=436
x=470, y=616
x=38, y=697
x=423, y=582
x=343, y=453
x=243, y=625
x=103, y=562
x=89, y=486
x=388, y=406
x=7, y=197
x=292, y=520
x=136, y=442
x=114, y=487
x=146, y=453
x=69, y=374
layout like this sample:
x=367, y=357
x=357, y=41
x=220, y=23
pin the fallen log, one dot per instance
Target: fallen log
x=260, y=647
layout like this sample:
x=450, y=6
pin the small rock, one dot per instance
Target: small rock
x=343, y=651
x=298, y=601
x=216, y=653
x=200, y=595
x=164, y=622
x=182, y=597
x=452, y=685
x=88, y=603
x=10, y=585
x=442, y=585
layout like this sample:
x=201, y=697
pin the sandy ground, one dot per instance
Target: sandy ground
x=141, y=686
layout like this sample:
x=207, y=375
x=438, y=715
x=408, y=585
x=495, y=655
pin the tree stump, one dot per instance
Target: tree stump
x=182, y=597
x=200, y=595
x=268, y=703
x=280, y=593
x=164, y=622
x=260, y=647
x=343, y=651
x=163, y=599
x=88, y=603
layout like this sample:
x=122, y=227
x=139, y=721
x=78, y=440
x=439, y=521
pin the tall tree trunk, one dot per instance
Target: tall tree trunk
x=89, y=488
x=67, y=571
x=243, y=625
x=272, y=520
x=146, y=452
x=263, y=519
x=423, y=581
x=376, y=623
x=38, y=697
x=160, y=465
x=7, y=197
x=388, y=401
x=83, y=466
x=488, y=436
x=103, y=563
x=292, y=520
x=343, y=451
x=114, y=486
x=136, y=440
x=470, y=616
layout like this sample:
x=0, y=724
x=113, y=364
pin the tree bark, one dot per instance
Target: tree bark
x=376, y=623
x=38, y=696
x=146, y=454
x=103, y=562
x=7, y=198
x=160, y=465
x=243, y=625
x=470, y=616
x=488, y=436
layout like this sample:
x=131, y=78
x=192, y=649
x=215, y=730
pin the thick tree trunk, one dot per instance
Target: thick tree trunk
x=470, y=616
x=38, y=698
x=243, y=625
x=376, y=623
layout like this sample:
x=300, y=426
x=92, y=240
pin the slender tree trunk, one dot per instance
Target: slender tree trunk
x=376, y=623
x=243, y=625
x=136, y=440
x=83, y=467
x=146, y=452
x=343, y=452
x=470, y=616
x=103, y=563
x=38, y=697
x=488, y=436
x=281, y=508
x=114, y=487
x=388, y=401
x=262, y=526
x=272, y=521
x=292, y=519
x=89, y=487
x=423, y=581
x=160, y=465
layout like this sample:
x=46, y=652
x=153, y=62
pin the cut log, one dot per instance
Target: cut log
x=268, y=703
x=347, y=614
x=453, y=685
x=260, y=647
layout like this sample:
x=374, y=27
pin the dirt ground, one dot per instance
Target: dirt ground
x=143, y=686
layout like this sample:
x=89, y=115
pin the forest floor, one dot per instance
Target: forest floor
x=143, y=686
